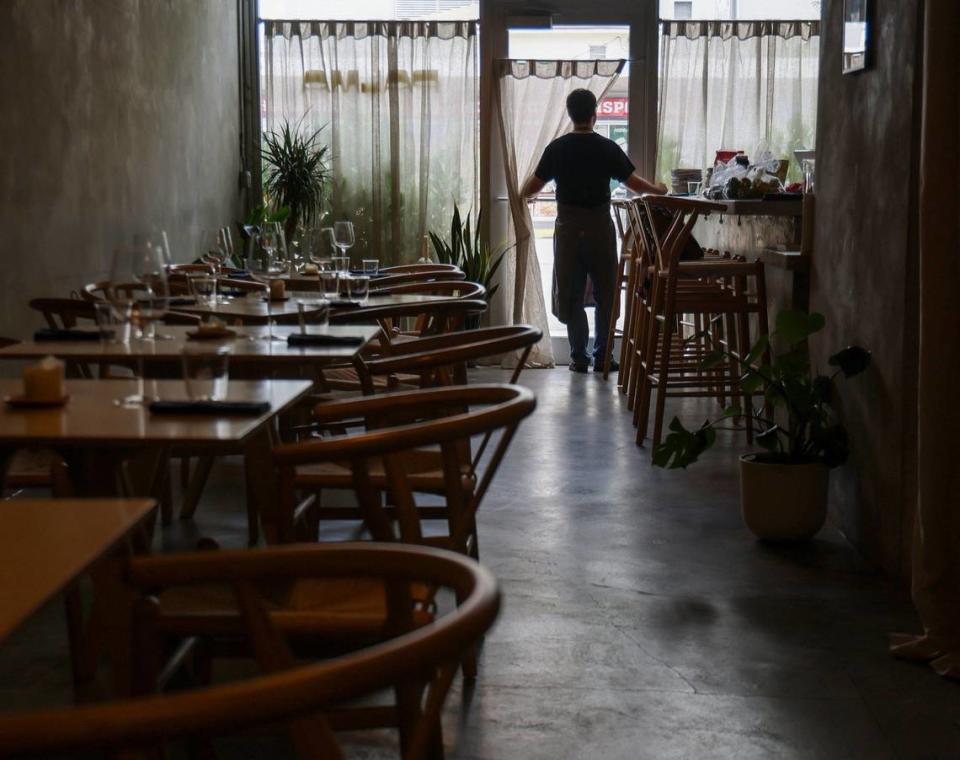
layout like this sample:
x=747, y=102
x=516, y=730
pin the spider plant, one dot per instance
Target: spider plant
x=466, y=250
x=295, y=173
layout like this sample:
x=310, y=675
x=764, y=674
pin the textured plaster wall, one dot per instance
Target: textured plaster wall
x=865, y=270
x=116, y=115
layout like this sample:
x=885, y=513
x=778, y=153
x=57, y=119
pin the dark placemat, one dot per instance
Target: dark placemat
x=314, y=339
x=187, y=406
x=55, y=334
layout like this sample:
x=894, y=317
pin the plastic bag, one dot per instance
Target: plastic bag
x=734, y=181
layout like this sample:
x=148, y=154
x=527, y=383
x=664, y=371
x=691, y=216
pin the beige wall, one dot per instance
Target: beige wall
x=117, y=114
x=865, y=272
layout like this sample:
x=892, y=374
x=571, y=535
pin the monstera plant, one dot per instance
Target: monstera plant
x=783, y=487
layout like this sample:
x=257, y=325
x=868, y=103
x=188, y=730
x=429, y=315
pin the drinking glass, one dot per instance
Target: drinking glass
x=264, y=266
x=328, y=242
x=153, y=298
x=359, y=288
x=371, y=266
x=204, y=287
x=319, y=312
x=134, y=274
x=330, y=283
x=693, y=188
x=205, y=372
x=343, y=233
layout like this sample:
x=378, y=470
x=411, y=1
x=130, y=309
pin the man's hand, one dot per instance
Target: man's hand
x=639, y=185
x=532, y=186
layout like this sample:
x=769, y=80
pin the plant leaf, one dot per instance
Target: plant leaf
x=851, y=360
x=796, y=326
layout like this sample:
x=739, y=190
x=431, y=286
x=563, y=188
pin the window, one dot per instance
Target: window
x=380, y=10
x=748, y=10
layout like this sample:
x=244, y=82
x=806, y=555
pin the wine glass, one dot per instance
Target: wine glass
x=343, y=234
x=152, y=299
x=216, y=254
x=264, y=266
x=137, y=287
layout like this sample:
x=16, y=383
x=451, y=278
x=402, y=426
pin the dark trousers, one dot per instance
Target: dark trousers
x=584, y=245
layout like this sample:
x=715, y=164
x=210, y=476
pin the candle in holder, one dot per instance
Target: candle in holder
x=44, y=381
x=278, y=289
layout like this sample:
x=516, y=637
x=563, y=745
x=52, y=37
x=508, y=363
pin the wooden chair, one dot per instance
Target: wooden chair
x=444, y=359
x=713, y=291
x=95, y=292
x=409, y=442
x=418, y=661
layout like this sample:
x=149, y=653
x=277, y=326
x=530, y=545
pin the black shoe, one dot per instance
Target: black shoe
x=614, y=366
x=581, y=367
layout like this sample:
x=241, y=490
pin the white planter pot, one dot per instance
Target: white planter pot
x=783, y=502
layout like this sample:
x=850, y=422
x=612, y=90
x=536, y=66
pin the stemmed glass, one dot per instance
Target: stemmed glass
x=264, y=266
x=344, y=238
x=152, y=299
x=138, y=284
x=218, y=251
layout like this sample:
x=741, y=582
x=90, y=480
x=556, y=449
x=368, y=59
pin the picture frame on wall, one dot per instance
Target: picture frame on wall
x=856, y=35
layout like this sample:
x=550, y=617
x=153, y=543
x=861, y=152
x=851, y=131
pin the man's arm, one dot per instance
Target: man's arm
x=639, y=185
x=532, y=186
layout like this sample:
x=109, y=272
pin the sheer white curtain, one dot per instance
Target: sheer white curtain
x=531, y=109
x=398, y=105
x=740, y=85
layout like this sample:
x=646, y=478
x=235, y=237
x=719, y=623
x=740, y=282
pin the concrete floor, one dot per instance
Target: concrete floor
x=640, y=619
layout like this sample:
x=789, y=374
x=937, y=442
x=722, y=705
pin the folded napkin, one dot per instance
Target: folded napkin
x=344, y=303
x=54, y=333
x=181, y=302
x=210, y=407
x=320, y=339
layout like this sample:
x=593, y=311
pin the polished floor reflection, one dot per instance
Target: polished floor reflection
x=641, y=620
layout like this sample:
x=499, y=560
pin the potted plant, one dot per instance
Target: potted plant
x=466, y=250
x=783, y=489
x=295, y=174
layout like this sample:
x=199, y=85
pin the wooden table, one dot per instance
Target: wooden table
x=46, y=544
x=244, y=352
x=105, y=445
x=253, y=309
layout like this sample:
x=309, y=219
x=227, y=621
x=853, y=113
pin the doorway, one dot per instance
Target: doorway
x=575, y=42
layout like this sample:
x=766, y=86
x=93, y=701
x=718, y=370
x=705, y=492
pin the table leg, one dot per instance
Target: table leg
x=261, y=485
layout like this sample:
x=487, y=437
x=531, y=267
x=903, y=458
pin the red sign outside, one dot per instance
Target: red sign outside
x=613, y=108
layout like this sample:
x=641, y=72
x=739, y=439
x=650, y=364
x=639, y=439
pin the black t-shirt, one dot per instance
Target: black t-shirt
x=583, y=163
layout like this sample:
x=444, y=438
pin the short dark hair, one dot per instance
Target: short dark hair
x=581, y=105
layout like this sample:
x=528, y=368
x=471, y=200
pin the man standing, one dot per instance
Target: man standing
x=582, y=163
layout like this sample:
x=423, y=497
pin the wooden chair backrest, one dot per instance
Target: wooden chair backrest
x=97, y=291
x=442, y=359
x=433, y=317
x=435, y=275
x=684, y=211
x=64, y=313
x=457, y=288
x=288, y=693
x=426, y=266
x=398, y=424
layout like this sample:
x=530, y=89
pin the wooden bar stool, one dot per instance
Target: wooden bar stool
x=713, y=291
x=624, y=272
